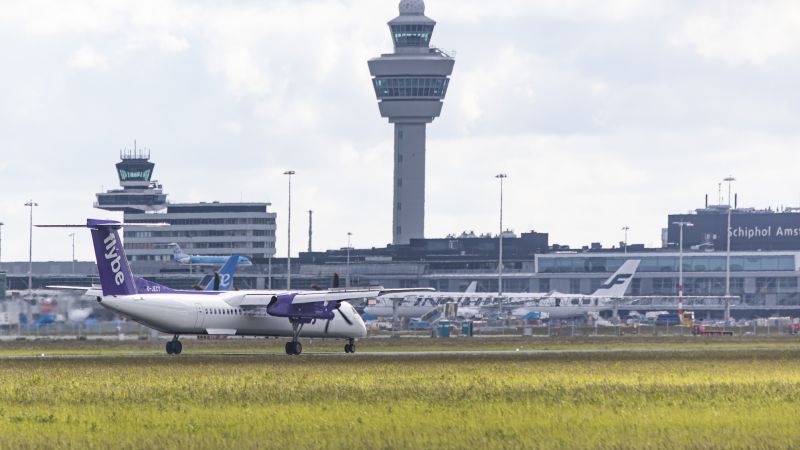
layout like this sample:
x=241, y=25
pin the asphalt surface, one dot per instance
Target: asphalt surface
x=189, y=354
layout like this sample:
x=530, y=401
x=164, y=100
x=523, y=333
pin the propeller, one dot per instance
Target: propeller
x=344, y=316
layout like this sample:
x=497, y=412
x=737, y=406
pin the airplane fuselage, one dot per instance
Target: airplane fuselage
x=210, y=313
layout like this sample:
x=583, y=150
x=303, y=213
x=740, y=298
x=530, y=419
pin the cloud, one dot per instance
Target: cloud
x=600, y=112
x=88, y=58
x=743, y=32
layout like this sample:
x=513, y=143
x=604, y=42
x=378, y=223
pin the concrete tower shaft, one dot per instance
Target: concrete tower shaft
x=410, y=85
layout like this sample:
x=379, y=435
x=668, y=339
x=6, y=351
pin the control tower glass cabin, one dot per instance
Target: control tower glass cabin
x=410, y=85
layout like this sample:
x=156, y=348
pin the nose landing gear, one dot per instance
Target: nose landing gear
x=174, y=347
x=350, y=347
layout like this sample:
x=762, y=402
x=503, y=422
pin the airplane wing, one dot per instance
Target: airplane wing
x=72, y=288
x=305, y=297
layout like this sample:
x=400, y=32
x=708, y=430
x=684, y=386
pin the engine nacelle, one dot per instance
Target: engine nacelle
x=282, y=306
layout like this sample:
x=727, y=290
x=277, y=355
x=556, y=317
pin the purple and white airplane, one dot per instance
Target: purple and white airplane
x=295, y=314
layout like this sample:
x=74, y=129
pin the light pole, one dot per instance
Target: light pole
x=625, y=229
x=1, y=242
x=72, y=235
x=730, y=180
x=289, y=235
x=500, y=177
x=30, y=204
x=347, y=280
x=680, y=266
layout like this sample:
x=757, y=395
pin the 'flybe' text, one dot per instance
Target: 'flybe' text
x=113, y=256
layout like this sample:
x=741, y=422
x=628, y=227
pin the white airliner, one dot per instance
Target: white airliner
x=470, y=305
x=295, y=314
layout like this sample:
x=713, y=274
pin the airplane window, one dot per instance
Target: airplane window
x=466, y=301
x=574, y=301
x=587, y=301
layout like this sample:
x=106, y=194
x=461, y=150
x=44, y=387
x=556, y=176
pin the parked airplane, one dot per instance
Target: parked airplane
x=556, y=304
x=202, y=260
x=564, y=306
x=293, y=314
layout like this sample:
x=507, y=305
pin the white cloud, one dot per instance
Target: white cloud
x=88, y=58
x=601, y=112
x=743, y=32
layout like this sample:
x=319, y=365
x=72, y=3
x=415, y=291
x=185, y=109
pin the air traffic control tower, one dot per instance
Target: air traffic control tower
x=139, y=193
x=410, y=85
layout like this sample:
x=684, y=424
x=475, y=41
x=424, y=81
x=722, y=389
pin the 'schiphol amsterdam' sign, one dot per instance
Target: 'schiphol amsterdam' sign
x=768, y=231
x=749, y=231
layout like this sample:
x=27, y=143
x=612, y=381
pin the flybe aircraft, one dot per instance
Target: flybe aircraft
x=295, y=314
x=201, y=260
x=556, y=304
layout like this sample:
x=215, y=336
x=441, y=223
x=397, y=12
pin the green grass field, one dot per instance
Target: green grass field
x=714, y=398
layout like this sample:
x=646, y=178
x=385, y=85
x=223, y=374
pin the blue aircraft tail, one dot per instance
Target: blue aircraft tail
x=223, y=279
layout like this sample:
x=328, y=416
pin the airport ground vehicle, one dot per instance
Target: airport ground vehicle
x=702, y=330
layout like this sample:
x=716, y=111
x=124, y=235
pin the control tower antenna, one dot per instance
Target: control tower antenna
x=410, y=85
x=310, y=228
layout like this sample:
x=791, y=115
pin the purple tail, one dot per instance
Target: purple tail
x=115, y=274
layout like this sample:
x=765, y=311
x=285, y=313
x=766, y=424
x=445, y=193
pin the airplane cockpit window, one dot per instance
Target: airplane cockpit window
x=587, y=301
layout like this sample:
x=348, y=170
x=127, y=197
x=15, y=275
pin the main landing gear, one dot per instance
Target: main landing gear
x=350, y=347
x=174, y=346
x=294, y=347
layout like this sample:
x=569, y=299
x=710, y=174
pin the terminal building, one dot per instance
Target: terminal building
x=751, y=229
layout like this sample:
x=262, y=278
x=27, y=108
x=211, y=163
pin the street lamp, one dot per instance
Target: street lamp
x=289, y=235
x=500, y=177
x=347, y=280
x=30, y=204
x=1, y=242
x=625, y=229
x=730, y=180
x=72, y=235
x=680, y=265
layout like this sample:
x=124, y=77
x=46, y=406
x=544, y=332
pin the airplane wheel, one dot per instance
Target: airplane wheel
x=298, y=348
x=169, y=348
x=289, y=348
x=177, y=347
x=350, y=348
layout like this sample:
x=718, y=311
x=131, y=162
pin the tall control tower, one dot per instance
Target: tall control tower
x=410, y=85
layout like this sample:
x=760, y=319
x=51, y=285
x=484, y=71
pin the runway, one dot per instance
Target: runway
x=421, y=354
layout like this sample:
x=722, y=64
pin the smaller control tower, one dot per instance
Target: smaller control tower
x=410, y=85
x=138, y=194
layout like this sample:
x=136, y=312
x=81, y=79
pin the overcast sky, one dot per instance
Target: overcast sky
x=603, y=114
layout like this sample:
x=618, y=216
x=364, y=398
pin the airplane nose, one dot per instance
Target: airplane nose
x=361, y=325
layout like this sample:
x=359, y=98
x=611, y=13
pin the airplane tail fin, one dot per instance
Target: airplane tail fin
x=473, y=286
x=223, y=279
x=177, y=251
x=617, y=285
x=116, y=277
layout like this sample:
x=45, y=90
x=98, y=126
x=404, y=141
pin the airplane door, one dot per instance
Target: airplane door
x=200, y=316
